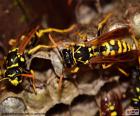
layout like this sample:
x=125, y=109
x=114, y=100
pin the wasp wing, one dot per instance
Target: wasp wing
x=27, y=39
x=120, y=58
x=118, y=33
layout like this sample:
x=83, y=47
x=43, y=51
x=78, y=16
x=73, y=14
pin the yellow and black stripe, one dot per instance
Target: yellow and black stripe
x=114, y=47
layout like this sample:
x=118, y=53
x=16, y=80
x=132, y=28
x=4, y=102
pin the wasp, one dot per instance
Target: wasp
x=111, y=105
x=108, y=48
x=15, y=61
x=15, y=64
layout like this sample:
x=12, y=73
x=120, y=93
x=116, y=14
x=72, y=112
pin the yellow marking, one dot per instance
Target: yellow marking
x=120, y=46
x=18, y=55
x=94, y=53
x=86, y=62
x=106, y=53
x=82, y=44
x=80, y=58
x=41, y=32
x=11, y=75
x=135, y=99
x=112, y=42
x=14, y=49
x=75, y=70
x=73, y=56
x=89, y=49
x=104, y=66
x=77, y=49
x=112, y=53
x=90, y=55
x=79, y=52
x=13, y=65
x=111, y=107
x=114, y=113
x=22, y=59
x=137, y=89
x=15, y=82
x=139, y=97
x=129, y=47
x=123, y=72
x=124, y=46
x=93, y=47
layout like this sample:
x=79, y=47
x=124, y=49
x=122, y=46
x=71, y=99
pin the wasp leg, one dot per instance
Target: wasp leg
x=60, y=86
x=119, y=69
x=41, y=32
x=52, y=40
x=82, y=36
x=33, y=50
x=74, y=70
x=123, y=72
x=32, y=77
x=33, y=81
x=102, y=23
x=104, y=66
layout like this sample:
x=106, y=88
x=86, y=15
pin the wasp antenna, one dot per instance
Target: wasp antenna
x=102, y=23
x=41, y=32
x=27, y=39
x=52, y=40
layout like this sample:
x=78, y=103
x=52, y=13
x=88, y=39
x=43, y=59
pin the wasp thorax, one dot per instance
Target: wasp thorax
x=14, y=59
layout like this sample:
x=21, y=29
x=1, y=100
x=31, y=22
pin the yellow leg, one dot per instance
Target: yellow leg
x=33, y=50
x=75, y=70
x=123, y=72
x=41, y=32
x=102, y=23
x=82, y=36
x=119, y=69
x=104, y=66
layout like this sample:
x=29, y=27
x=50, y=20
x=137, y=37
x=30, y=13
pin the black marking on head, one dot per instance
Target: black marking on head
x=13, y=72
x=68, y=58
x=14, y=57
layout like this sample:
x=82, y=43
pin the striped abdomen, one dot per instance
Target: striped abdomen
x=114, y=47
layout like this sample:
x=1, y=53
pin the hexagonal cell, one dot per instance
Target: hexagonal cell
x=11, y=105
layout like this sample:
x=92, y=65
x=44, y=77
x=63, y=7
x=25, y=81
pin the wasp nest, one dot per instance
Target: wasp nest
x=81, y=93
